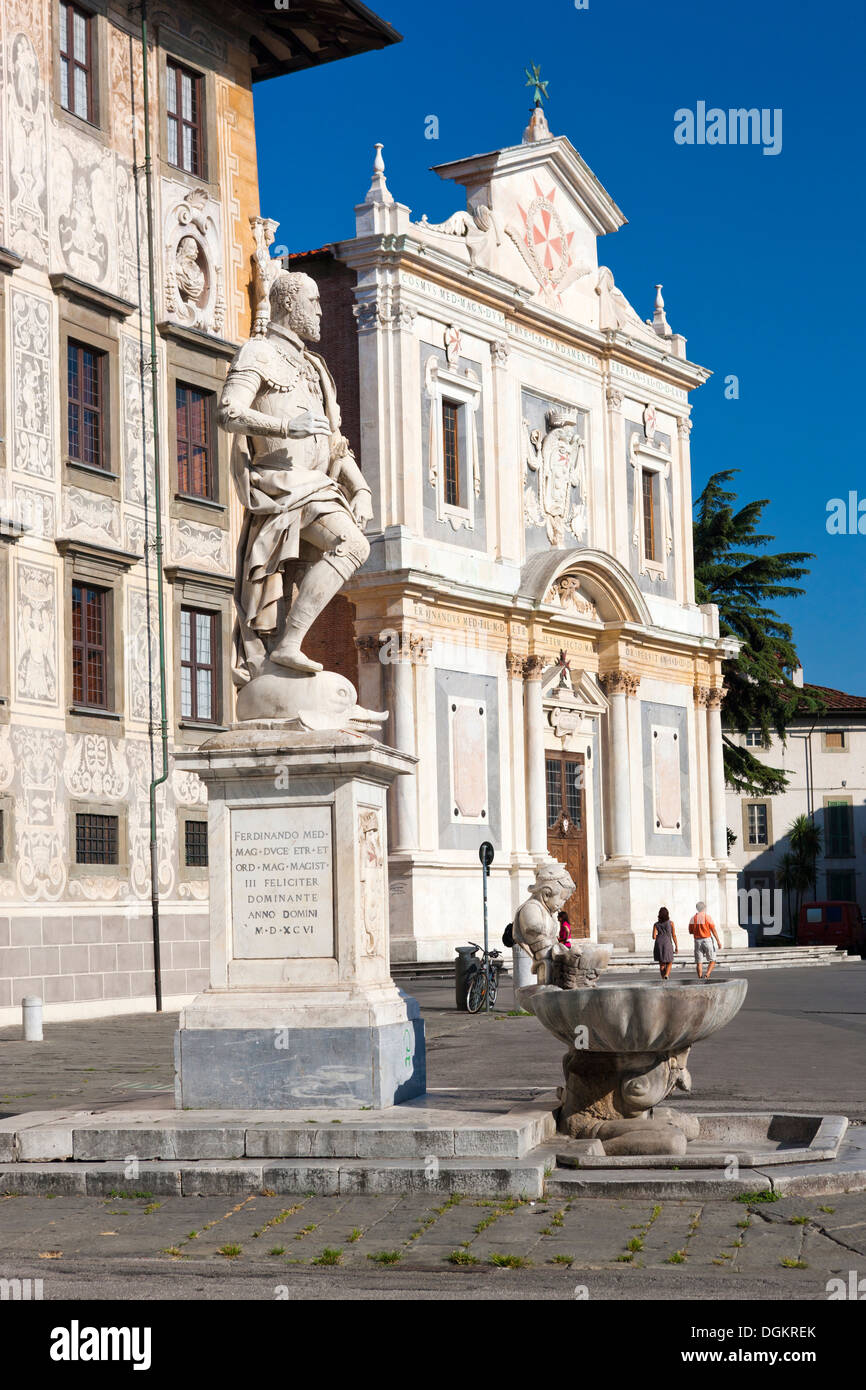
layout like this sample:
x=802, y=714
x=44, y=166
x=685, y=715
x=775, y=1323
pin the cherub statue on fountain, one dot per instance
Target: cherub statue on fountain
x=536, y=931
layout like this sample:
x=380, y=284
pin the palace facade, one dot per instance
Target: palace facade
x=79, y=567
x=527, y=614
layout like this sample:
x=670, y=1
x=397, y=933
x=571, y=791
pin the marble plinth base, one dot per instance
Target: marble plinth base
x=301, y=1009
x=294, y=1068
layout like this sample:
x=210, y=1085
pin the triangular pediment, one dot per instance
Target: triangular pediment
x=533, y=215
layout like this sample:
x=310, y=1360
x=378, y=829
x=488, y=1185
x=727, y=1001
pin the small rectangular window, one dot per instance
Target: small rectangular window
x=451, y=453
x=757, y=814
x=553, y=777
x=195, y=844
x=183, y=111
x=76, y=61
x=834, y=738
x=841, y=886
x=90, y=646
x=649, y=514
x=755, y=739
x=840, y=830
x=96, y=839
x=195, y=469
x=198, y=666
x=85, y=404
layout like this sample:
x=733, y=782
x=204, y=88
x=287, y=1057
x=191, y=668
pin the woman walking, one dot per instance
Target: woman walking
x=665, y=938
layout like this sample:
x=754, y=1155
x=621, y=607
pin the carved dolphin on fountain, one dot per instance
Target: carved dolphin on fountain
x=319, y=702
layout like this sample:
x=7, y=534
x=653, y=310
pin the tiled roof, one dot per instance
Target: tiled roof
x=837, y=699
x=302, y=255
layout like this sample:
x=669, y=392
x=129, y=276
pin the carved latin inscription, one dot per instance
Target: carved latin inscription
x=282, y=882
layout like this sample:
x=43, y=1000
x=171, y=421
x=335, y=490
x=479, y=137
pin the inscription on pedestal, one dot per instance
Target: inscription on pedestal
x=282, y=882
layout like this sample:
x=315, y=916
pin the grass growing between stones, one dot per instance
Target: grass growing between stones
x=230, y=1252
x=386, y=1257
x=509, y=1261
x=463, y=1257
x=278, y=1219
x=789, y=1262
x=329, y=1256
x=751, y=1199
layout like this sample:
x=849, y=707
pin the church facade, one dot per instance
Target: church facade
x=527, y=614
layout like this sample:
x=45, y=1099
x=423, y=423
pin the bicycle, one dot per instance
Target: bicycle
x=483, y=979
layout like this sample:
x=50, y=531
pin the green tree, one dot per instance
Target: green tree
x=734, y=571
x=798, y=868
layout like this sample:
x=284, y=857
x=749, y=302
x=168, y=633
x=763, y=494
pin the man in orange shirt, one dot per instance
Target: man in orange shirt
x=703, y=929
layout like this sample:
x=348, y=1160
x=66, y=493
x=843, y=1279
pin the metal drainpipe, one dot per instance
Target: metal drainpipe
x=157, y=496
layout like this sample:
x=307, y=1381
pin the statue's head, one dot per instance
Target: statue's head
x=188, y=248
x=295, y=304
x=553, y=885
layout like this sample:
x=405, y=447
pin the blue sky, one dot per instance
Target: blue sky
x=760, y=255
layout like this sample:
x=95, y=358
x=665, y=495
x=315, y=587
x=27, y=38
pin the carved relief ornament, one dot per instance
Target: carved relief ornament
x=619, y=683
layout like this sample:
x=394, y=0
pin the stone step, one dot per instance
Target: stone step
x=425, y=1134
x=493, y=1177
x=733, y=957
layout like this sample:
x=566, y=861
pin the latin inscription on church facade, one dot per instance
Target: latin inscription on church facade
x=282, y=882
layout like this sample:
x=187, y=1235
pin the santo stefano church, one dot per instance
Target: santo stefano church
x=526, y=614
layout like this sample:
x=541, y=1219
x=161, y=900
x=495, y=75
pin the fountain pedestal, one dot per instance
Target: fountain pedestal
x=628, y=1046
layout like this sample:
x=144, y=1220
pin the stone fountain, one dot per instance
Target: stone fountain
x=628, y=1044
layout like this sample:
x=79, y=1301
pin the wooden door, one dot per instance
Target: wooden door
x=566, y=830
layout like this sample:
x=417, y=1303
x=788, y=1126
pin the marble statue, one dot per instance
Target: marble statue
x=188, y=273
x=536, y=931
x=305, y=500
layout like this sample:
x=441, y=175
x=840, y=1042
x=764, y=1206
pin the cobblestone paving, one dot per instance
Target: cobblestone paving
x=787, y=1249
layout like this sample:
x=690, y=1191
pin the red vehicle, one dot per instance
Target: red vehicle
x=836, y=924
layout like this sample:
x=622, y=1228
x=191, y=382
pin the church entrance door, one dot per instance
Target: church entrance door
x=566, y=830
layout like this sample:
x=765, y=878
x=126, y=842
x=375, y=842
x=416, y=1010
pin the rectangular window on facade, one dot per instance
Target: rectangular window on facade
x=183, y=109
x=86, y=373
x=553, y=777
x=77, y=69
x=90, y=646
x=198, y=666
x=451, y=453
x=195, y=844
x=834, y=739
x=842, y=887
x=840, y=830
x=757, y=822
x=196, y=472
x=96, y=839
x=649, y=514
x=754, y=739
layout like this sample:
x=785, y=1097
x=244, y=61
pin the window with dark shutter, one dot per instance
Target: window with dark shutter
x=196, y=475
x=89, y=646
x=86, y=371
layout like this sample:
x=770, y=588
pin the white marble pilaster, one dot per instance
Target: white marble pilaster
x=618, y=686
x=536, y=795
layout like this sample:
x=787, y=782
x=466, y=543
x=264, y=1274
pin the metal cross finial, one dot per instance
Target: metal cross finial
x=534, y=80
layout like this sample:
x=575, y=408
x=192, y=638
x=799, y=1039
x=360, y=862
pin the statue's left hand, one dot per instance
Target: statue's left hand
x=362, y=508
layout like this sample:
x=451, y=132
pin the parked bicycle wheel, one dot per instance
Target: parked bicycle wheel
x=475, y=993
x=494, y=986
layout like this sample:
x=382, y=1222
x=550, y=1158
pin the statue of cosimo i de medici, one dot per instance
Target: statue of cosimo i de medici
x=305, y=500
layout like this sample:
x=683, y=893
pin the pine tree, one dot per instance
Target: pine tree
x=732, y=571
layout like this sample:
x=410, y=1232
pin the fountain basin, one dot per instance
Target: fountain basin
x=636, y=1017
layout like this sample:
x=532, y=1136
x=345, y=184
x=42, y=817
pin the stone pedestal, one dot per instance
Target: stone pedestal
x=301, y=1009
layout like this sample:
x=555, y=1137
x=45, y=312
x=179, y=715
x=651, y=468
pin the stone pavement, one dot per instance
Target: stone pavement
x=798, y=1043
x=337, y=1247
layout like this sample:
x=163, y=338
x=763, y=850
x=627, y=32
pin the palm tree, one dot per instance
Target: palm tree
x=798, y=870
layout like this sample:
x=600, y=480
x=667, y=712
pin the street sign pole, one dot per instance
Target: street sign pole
x=485, y=854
